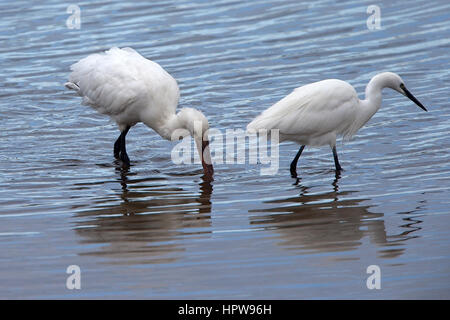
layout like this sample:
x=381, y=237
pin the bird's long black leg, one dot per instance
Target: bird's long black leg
x=294, y=162
x=117, y=147
x=336, y=161
x=122, y=147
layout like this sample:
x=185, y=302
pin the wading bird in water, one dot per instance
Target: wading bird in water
x=129, y=88
x=317, y=113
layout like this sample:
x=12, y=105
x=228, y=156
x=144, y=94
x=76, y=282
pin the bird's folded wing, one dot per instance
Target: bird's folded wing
x=112, y=81
x=313, y=109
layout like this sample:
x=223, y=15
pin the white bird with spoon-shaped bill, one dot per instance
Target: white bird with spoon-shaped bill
x=129, y=88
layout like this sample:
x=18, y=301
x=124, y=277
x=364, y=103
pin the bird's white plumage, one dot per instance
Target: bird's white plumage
x=317, y=113
x=313, y=114
x=129, y=88
x=122, y=84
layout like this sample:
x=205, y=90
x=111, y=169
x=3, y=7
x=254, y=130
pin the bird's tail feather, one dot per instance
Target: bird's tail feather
x=72, y=86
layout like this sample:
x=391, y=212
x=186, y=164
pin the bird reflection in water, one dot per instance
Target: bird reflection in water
x=146, y=221
x=329, y=222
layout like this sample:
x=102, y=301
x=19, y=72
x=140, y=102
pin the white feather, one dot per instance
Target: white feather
x=313, y=114
x=121, y=83
x=317, y=113
x=129, y=88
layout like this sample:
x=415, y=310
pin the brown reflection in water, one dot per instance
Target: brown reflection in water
x=148, y=223
x=328, y=222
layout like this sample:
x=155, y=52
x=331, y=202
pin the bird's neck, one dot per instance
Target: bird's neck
x=170, y=127
x=372, y=102
x=373, y=92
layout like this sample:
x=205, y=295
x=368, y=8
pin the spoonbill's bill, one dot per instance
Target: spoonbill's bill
x=315, y=114
x=129, y=88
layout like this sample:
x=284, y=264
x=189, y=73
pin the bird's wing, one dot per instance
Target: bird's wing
x=112, y=81
x=313, y=109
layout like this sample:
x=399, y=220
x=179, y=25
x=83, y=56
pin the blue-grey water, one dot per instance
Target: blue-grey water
x=157, y=230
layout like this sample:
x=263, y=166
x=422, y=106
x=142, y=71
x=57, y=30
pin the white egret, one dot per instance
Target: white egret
x=317, y=113
x=129, y=88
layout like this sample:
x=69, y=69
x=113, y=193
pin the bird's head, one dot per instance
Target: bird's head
x=395, y=82
x=197, y=125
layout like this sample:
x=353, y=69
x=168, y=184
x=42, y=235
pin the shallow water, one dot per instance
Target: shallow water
x=158, y=230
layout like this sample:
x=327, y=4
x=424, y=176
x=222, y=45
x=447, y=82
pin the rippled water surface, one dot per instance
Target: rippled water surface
x=158, y=230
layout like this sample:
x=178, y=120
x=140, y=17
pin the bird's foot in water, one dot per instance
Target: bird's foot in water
x=293, y=172
x=297, y=181
x=125, y=159
x=338, y=172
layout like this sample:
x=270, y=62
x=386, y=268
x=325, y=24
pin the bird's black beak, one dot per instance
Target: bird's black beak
x=410, y=96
